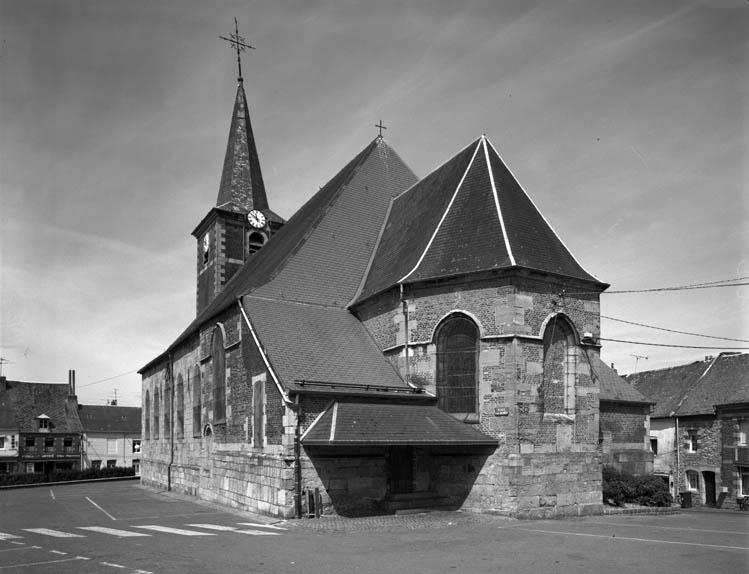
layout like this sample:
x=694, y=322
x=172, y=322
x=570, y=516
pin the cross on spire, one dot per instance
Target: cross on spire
x=381, y=127
x=237, y=42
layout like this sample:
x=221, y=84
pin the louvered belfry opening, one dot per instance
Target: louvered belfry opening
x=457, y=360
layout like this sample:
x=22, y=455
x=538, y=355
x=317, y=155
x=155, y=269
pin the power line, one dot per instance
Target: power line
x=675, y=346
x=672, y=330
x=704, y=285
x=108, y=379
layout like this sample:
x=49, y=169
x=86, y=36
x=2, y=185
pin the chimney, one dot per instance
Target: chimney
x=71, y=382
x=614, y=368
x=3, y=383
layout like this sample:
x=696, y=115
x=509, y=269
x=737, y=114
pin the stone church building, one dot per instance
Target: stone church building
x=397, y=343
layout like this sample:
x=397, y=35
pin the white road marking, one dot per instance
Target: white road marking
x=15, y=542
x=111, y=564
x=60, y=552
x=679, y=528
x=113, y=531
x=55, y=533
x=142, y=572
x=633, y=539
x=169, y=530
x=14, y=549
x=43, y=563
x=6, y=536
x=52, y=494
x=100, y=508
x=258, y=525
x=222, y=528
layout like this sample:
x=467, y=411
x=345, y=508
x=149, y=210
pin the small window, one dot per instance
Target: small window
x=30, y=442
x=693, y=480
x=206, y=248
x=136, y=465
x=67, y=442
x=692, y=441
x=96, y=464
x=112, y=446
x=111, y=463
x=744, y=473
x=49, y=442
x=654, y=445
x=136, y=445
x=2, y=443
x=30, y=467
x=744, y=431
x=254, y=242
x=43, y=424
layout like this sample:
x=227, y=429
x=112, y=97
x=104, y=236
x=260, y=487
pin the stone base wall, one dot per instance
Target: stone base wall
x=632, y=460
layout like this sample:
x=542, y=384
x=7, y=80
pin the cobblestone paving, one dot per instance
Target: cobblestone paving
x=390, y=522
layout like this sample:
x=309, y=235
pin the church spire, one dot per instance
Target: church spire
x=241, y=177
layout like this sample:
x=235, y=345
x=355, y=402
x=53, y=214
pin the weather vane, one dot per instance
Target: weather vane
x=381, y=127
x=238, y=43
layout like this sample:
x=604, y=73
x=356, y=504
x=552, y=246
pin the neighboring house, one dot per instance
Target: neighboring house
x=397, y=343
x=733, y=415
x=8, y=432
x=624, y=423
x=690, y=435
x=111, y=436
x=49, y=430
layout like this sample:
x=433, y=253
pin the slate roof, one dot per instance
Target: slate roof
x=311, y=344
x=614, y=388
x=110, y=419
x=467, y=216
x=33, y=399
x=320, y=255
x=695, y=388
x=241, y=177
x=359, y=423
x=7, y=418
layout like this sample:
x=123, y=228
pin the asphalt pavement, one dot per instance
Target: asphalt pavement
x=125, y=528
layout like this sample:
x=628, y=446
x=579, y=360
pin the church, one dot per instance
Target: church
x=399, y=343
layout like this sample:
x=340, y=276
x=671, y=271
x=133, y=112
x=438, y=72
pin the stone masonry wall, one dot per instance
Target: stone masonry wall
x=706, y=458
x=734, y=457
x=625, y=438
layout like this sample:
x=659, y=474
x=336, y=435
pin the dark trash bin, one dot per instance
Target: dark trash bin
x=686, y=499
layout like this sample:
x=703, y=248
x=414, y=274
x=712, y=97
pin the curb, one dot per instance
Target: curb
x=63, y=482
x=609, y=510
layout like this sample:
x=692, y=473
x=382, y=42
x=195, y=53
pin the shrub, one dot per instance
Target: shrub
x=65, y=475
x=621, y=487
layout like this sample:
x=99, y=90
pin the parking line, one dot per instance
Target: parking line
x=100, y=508
x=6, y=536
x=631, y=539
x=43, y=563
x=169, y=530
x=113, y=531
x=673, y=528
x=257, y=525
x=54, y=533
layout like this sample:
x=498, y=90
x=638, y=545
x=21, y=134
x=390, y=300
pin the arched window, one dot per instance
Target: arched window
x=560, y=367
x=180, y=408
x=457, y=361
x=168, y=410
x=196, y=402
x=255, y=241
x=156, y=413
x=218, y=356
x=147, y=418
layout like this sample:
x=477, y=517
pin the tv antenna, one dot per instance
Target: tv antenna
x=637, y=359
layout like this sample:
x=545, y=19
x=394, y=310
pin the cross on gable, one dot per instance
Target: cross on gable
x=238, y=43
x=381, y=127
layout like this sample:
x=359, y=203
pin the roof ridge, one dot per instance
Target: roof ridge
x=533, y=203
x=496, y=202
x=692, y=387
x=292, y=301
x=447, y=210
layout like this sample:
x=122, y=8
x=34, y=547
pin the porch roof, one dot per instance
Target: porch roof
x=359, y=423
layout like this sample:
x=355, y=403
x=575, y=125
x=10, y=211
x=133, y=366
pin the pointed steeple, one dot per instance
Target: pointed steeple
x=241, y=178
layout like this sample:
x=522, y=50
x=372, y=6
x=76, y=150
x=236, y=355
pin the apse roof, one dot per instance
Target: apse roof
x=467, y=216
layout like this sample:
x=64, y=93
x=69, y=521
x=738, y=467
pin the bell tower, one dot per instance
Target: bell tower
x=241, y=221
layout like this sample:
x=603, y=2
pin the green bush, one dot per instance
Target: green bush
x=65, y=475
x=622, y=487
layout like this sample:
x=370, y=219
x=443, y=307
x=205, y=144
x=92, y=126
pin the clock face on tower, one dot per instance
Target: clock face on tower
x=256, y=218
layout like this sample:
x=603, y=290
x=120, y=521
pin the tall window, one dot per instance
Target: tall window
x=743, y=431
x=218, y=356
x=147, y=430
x=156, y=413
x=196, y=402
x=167, y=410
x=180, y=408
x=457, y=361
x=692, y=441
x=560, y=367
x=693, y=480
x=258, y=411
x=744, y=473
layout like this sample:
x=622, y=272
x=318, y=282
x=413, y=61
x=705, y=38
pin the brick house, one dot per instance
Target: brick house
x=691, y=437
x=47, y=425
x=733, y=415
x=397, y=343
x=111, y=436
x=8, y=432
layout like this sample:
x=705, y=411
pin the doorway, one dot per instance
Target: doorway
x=709, y=478
x=400, y=462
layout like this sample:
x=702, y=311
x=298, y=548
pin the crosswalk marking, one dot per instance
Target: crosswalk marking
x=169, y=530
x=113, y=531
x=222, y=528
x=54, y=533
x=258, y=525
x=6, y=536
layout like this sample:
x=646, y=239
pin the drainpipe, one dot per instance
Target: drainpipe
x=298, y=460
x=405, y=325
x=678, y=459
x=171, y=424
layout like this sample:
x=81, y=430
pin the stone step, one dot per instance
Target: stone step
x=416, y=502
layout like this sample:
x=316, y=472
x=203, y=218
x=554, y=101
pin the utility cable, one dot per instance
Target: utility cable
x=674, y=346
x=670, y=330
x=704, y=285
x=108, y=379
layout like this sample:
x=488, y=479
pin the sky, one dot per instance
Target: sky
x=626, y=122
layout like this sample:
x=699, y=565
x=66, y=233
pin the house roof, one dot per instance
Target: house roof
x=7, y=417
x=360, y=423
x=695, y=388
x=614, y=388
x=241, y=177
x=33, y=399
x=467, y=216
x=317, y=348
x=110, y=419
x=320, y=255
